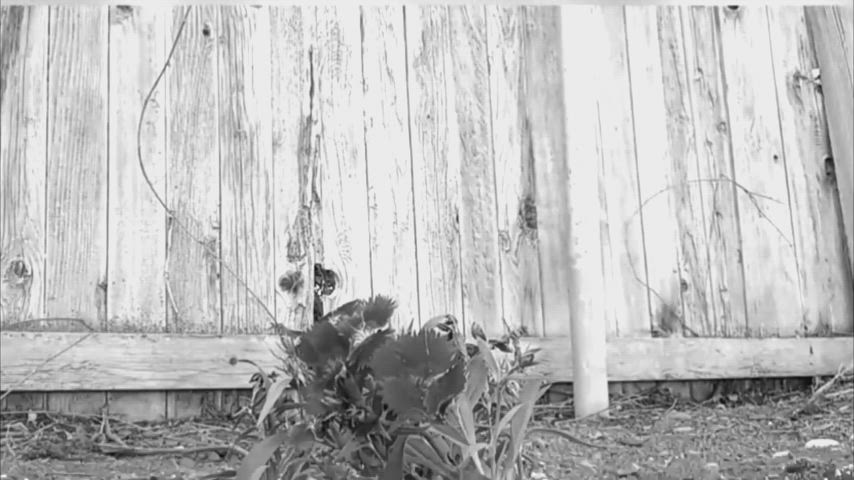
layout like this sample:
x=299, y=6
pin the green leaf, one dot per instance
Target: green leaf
x=273, y=394
x=531, y=392
x=401, y=394
x=394, y=467
x=446, y=387
x=361, y=356
x=486, y=351
x=255, y=464
x=477, y=381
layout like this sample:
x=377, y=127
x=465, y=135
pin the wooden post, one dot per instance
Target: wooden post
x=832, y=30
x=586, y=300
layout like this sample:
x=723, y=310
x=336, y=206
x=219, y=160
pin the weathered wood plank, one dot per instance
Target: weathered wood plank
x=716, y=192
x=23, y=122
x=825, y=279
x=246, y=169
x=126, y=362
x=75, y=279
x=389, y=161
x=76, y=403
x=294, y=161
x=481, y=268
x=688, y=208
x=622, y=242
x=344, y=245
x=136, y=406
x=435, y=163
x=514, y=169
x=832, y=31
x=544, y=101
x=193, y=271
x=136, y=295
x=767, y=249
x=657, y=216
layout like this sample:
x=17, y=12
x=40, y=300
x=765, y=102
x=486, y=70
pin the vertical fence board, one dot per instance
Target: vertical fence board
x=832, y=31
x=192, y=175
x=657, y=211
x=767, y=251
x=544, y=112
x=514, y=170
x=136, y=299
x=23, y=123
x=246, y=166
x=294, y=162
x=344, y=246
x=389, y=160
x=689, y=210
x=705, y=77
x=75, y=281
x=825, y=279
x=622, y=242
x=435, y=164
x=481, y=269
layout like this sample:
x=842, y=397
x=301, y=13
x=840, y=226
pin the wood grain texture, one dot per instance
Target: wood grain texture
x=514, y=169
x=544, y=102
x=341, y=185
x=23, y=156
x=136, y=222
x=435, y=161
x=481, y=268
x=657, y=181
x=246, y=169
x=136, y=406
x=832, y=30
x=137, y=362
x=389, y=161
x=294, y=159
x=689, y=210
x=193, y=193
x=76, y=268
x=622, y=240
x=759, y=167
x=825, y=279
x=714, y=187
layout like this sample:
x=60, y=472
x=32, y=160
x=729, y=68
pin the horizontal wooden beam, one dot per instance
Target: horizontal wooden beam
x=176, y=362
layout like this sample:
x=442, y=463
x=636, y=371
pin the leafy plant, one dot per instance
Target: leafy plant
x=355, y=399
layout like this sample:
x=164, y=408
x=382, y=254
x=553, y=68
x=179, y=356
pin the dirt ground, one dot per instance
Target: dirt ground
x=649, y=436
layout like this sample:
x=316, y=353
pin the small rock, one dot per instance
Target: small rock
x=711, y=471
x=783, y=454
x=187, y=462
x=538, y=476
x=629, y=470
x=683, y=429
x=822, y=443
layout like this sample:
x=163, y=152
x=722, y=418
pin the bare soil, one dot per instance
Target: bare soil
x=645, y=437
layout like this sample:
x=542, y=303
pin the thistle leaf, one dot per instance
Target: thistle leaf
x=401, y=394
x=446, y=387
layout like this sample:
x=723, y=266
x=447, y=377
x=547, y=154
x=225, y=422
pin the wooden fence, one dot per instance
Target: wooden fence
x=426, y=153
